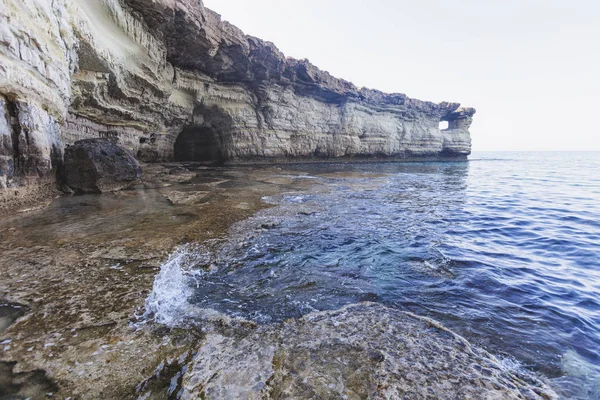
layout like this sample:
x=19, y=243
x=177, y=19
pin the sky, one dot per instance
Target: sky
x=531, y=68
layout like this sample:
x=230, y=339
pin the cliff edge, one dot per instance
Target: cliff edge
x=172, y=80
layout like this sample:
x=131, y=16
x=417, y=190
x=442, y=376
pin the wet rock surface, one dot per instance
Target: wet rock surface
x=360, y=351
x=190, y=197
x=24, y=385
x=98, y=166
x=84, y=267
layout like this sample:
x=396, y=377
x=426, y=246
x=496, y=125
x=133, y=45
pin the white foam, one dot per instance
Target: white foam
x=512, y=365
x=168, y=303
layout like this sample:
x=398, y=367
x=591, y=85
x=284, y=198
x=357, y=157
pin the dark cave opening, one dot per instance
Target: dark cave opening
x=200, y=144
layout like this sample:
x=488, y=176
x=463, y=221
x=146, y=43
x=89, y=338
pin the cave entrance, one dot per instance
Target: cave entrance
x=444, y=125
x=200, y=144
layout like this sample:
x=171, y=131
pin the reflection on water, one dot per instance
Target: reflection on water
x=502, y=250
x=353, y=243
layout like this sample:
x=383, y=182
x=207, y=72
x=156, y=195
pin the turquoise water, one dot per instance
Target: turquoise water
x=503, y=249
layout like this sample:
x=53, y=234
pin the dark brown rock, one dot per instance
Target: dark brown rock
x=97, y=166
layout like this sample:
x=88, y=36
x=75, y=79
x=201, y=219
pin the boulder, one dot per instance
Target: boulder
x=97, y=166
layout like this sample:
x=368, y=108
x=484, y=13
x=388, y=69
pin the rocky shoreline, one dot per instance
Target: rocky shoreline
x=88, y=89
x=172, y=81
x=84, y=266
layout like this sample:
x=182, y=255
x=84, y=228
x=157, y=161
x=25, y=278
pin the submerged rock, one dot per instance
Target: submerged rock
x=97, y=166
x=188, y=197
x=360, y=351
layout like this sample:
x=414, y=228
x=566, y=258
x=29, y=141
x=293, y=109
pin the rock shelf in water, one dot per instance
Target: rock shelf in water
x=83, y=283
x=360, y=351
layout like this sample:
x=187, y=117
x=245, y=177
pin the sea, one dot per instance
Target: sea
x=503, y=249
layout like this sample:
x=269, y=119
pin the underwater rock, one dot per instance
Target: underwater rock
x=360, y=351
x=187, y=197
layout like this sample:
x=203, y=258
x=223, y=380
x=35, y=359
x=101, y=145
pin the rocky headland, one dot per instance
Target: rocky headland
x=89, y=90
x=172, y=81
x=92, y=306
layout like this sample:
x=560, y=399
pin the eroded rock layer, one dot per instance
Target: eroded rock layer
x=170, y=79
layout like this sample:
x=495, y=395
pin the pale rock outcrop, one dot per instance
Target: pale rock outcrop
x=37, y=59
x=170, y=79
x=30, y=144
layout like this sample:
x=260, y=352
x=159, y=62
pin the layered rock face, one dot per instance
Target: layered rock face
x=171, y=80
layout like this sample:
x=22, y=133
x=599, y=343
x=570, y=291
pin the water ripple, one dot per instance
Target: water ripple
x=504, y=250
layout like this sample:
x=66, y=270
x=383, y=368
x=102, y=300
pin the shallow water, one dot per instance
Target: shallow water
x=502, y=249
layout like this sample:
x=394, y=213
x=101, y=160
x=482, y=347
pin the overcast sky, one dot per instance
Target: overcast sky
x=530, y=67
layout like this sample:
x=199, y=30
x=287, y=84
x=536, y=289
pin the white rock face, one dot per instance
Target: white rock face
x=37, y=59
x=170, y=79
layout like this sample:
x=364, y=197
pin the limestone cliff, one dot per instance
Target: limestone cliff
x=170, y=79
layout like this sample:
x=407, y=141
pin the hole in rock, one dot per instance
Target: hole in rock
x=199, y=144
x=443, y=125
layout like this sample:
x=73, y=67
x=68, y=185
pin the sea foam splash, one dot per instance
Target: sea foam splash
x=168, y=303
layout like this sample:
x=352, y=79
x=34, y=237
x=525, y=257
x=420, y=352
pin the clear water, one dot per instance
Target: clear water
x=503, y=249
